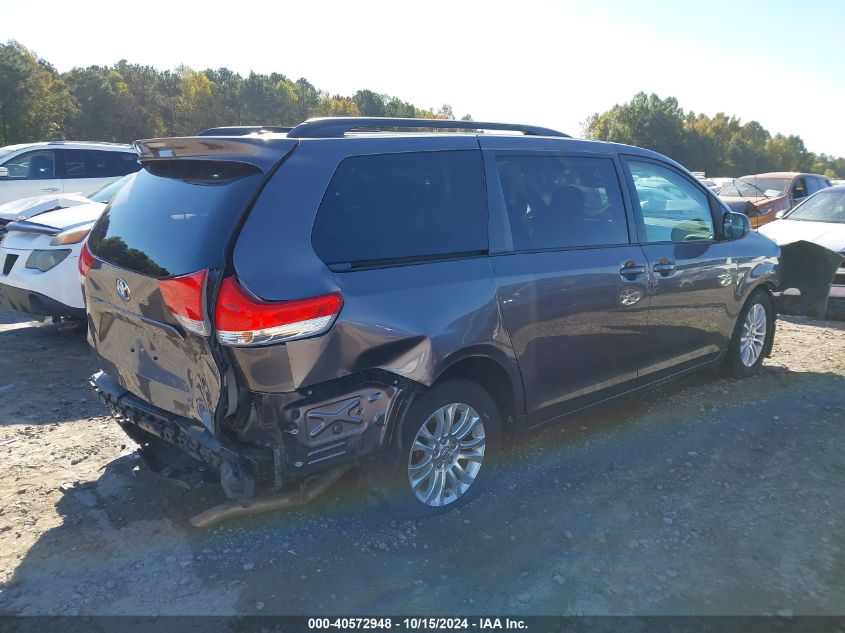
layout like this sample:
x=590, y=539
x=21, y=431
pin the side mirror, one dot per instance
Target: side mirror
x=735, y=225
x=4, y=172
x=780, y=214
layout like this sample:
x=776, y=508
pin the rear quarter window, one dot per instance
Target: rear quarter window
x=174, y=218
x=394, y=208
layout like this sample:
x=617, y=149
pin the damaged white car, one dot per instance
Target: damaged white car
x=38, y=256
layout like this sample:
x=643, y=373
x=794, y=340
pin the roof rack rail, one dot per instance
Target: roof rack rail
x=243, y=130
x=336, y=127
x=87, y=143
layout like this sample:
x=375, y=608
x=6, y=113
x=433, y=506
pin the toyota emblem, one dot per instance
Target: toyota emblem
x=123, y=289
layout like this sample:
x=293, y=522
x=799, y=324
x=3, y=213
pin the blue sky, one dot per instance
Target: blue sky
x=547, y=62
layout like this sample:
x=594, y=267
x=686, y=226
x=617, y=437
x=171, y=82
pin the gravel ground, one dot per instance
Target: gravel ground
x=707, y=496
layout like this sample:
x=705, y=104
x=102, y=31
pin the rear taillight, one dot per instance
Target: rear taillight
x=242, y=319
x=85, y=261
x=183, y=296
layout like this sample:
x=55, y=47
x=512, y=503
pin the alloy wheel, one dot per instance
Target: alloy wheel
x=753, y=335
x=446, y=454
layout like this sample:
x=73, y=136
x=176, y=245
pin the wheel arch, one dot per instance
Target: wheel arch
x=498, y=376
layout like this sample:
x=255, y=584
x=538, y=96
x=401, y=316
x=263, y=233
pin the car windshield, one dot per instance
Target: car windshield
x=108, y=192
x=5, y=152
x=825, y=206
x=751, y=187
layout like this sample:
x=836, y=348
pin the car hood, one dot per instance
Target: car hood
x=828, y=234
x=28, y=207
x=71, y=216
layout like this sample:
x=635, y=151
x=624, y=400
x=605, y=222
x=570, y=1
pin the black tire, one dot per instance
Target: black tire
x=401, y=499
x=734, y=364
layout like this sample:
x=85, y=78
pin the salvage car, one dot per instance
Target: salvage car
x=761, y=197
x=38, y=269
x=269, y=310
x=34, y=169
x=820, y=219
x=36, y=205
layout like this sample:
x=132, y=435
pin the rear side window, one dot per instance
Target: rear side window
x=390, y=208
x=83, y=163
x=174, y=218
x=562, y=201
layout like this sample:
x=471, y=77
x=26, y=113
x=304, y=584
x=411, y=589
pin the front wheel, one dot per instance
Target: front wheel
x=451, y=439
x=752, y=336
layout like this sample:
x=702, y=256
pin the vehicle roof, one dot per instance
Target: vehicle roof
x=72, y=144
x=264, y=147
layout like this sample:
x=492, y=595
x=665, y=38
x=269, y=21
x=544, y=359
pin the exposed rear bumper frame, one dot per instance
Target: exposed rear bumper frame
x=239, y=469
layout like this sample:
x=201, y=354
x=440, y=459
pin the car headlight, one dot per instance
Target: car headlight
x=72, y=236
x=47, y=259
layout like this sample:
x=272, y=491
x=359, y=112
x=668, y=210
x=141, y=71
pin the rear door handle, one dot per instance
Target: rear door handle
x=663, y=266
x=631, y=269
x=50, y=189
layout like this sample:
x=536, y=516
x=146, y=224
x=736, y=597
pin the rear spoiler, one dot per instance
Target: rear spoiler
x=262, y=151
x=808, y=269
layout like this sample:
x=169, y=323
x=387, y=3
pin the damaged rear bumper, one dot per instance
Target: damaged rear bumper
x=200, y=454
x=275, y=439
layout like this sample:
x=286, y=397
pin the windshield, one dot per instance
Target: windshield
x=5, y=152
x=750, y=187
x=825, y=206
x=108, y=192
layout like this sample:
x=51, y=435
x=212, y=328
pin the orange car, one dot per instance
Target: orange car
x=762, y=196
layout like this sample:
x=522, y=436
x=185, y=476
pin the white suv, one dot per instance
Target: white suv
x=35, y=169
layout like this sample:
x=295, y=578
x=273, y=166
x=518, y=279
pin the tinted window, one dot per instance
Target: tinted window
x=402, y=206
x=80, y=163
x=814, y=184
x=673, y=208
x=32, y=166
x=174, y=217
x=559, y=202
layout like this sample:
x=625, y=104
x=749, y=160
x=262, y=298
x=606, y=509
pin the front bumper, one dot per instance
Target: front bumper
x=36, y=303
x=201, y=454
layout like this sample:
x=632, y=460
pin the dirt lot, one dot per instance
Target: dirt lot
x=709, y=496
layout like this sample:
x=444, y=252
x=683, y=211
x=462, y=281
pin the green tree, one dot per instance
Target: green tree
x=195, y=109
x=369, y=103
x=34, y=101
x=788, y=153
x=647, y=121
x=337, y=106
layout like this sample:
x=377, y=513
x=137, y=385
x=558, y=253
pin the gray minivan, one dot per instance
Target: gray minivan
x=270, y=308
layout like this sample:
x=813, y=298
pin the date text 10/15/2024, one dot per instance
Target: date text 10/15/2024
x=417, y=624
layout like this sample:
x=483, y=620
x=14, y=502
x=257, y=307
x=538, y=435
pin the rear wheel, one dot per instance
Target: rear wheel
x=752, y=336
x=450, y=446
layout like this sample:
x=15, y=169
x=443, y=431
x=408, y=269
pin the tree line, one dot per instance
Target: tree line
x=720, y=145
x=127, y=101
x=124, y=102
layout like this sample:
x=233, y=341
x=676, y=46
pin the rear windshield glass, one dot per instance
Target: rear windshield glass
x=174, y=217
x=398, y=207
